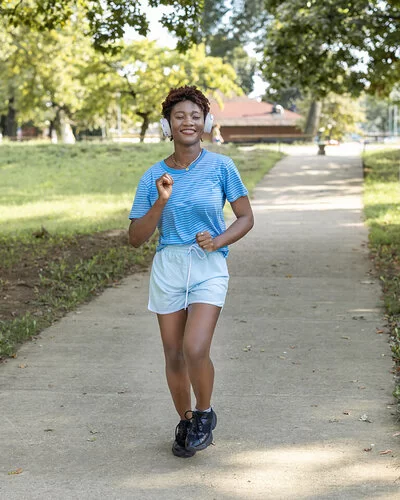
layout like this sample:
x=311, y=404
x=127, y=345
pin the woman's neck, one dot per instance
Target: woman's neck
x=182, y=158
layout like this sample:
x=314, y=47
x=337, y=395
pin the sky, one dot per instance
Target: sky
x=161, y=35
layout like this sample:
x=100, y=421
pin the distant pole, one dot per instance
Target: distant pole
x=390, y=124
x=119, y=114
x=395, y=120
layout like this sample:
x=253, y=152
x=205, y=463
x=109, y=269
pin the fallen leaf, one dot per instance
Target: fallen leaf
x=367, y=449
x=379, y=331
x=289, y=276
x=22, y=366
x=346, y=413
x=17, y=471
x=385, y=452
x=396, y=434
x=344, y=337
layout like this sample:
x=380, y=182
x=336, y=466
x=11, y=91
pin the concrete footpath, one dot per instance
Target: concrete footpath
x=303, y=379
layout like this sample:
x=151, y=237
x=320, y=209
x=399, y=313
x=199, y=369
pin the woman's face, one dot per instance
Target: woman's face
x=187, y=122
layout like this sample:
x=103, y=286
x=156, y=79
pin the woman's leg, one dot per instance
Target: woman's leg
x=172, y=328
x=200, y=325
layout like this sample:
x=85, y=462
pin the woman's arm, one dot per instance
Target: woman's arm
x=140, y=230
x=241, y=226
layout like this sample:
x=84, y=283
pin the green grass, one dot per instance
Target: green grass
x=69, y=189
x=78, y=191
x=382, y=212
x=85, y=187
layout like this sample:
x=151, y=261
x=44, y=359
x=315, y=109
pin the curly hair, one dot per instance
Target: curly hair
x=186, y=93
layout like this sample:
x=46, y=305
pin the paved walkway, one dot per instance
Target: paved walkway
x=303, y=379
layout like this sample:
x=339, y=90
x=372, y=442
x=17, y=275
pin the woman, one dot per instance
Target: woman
x=183, y=196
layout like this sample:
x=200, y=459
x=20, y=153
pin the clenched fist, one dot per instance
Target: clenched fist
x=205, y=241
x=164, y=187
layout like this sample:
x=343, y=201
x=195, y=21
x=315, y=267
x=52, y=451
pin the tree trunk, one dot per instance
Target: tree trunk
x=3, y=119
x=11, y=122
x=314, y=115
x=145, y=125
x=63, y=127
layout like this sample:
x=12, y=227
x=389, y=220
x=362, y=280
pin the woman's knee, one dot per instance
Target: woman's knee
x=196, y=354
x=174, y=359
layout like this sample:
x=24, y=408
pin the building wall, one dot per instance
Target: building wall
x=261, y=134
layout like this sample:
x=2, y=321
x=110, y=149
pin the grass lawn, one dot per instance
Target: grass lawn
x=382, y=212
x=63, y=225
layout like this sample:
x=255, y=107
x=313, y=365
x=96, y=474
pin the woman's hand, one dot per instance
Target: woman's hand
x=164, y=187
x=205, y=241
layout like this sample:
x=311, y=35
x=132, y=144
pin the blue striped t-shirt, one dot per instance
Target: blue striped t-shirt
x=197, y=200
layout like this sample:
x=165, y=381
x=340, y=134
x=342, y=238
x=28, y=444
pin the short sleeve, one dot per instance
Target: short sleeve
x=141, y=203
x=233, y=185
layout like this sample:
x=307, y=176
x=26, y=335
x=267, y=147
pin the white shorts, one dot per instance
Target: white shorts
x=185, y=274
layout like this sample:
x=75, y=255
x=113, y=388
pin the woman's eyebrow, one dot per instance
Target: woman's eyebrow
x=187, y=113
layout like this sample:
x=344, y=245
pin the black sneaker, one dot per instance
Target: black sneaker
x=200, y=435
x=179, y=448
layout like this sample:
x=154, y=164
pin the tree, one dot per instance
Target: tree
x=333, y=46
x=377, y=112
x=340, y=115
x=144, y=73
x=227, y=29
x=41, y=76
x=107, y=19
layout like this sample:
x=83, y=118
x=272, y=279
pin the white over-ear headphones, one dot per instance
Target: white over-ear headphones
x=208, y=123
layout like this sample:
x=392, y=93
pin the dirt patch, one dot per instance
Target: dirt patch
x=21, y=283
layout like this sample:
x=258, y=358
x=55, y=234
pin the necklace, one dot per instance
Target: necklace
x=186, y=167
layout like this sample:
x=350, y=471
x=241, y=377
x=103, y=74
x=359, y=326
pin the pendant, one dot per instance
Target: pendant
x=187, y=169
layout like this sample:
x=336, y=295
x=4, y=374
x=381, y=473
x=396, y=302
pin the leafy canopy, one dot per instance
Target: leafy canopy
x=107, y=19
x=333, y=46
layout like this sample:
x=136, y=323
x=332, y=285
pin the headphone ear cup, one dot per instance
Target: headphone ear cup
x=165, y=127
x=208, y=123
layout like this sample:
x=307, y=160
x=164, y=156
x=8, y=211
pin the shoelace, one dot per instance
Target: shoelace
x=181, y=430
x=202, y=255
x=197, y=424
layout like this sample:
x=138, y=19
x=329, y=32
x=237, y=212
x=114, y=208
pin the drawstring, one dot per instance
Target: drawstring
x=202, y=255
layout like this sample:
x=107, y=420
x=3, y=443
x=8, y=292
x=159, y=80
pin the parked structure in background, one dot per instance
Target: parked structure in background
x=242, y=119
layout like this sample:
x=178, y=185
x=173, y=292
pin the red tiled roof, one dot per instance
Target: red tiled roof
x=241, y=111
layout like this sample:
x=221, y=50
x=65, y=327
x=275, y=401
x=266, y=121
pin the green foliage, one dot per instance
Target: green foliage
x=377, y=116
x=382, y=212
x=340, y=115
x=16, y=331
x=228, y=28
x=67, y=81
x=332, y=46
x=106, y=19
